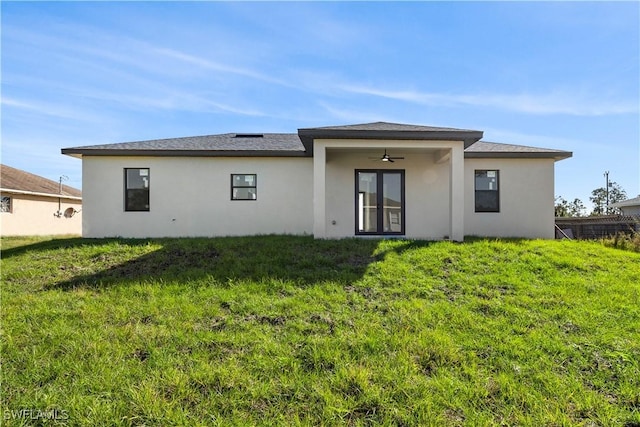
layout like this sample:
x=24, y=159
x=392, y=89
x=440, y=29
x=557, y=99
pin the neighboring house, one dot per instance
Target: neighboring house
x=33, y=205
x=628, y=207
x=375, y=179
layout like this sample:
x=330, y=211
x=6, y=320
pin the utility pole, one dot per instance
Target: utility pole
x=606, y=209
x=59, y=213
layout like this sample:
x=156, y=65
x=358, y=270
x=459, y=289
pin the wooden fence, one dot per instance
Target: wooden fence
x=596, y=227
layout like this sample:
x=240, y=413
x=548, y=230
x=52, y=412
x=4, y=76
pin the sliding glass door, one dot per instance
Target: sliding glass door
x=380, y=202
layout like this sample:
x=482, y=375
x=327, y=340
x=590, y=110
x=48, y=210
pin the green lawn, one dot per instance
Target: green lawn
x=291, y=331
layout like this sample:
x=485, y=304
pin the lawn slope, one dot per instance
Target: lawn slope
x=280, y=330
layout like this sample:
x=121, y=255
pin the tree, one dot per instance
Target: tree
x=561, y=207
x=564, y=208
x=577, y=208
x=599, y=198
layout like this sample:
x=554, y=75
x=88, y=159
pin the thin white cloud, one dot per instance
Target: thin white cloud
x=535, y=140
x=358, y=115
x=216, y=66
x=49, y=109
x=552, y=103
x=147, y=95
x=167, y=99
x=218, y=106
x=88, y=44
x=41, y=155
x=79, y=42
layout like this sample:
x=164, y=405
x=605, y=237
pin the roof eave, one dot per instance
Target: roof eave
x=556, y=155
x=627, y=203
x=80, y=152
x=308, y=135
x=71, y=152
x=40, y=194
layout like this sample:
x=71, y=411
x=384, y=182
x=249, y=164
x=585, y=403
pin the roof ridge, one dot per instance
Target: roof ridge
x=392, y=126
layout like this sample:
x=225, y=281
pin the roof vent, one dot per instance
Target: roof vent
x=249, y=135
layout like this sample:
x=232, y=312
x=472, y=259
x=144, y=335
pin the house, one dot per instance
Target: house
x=374, y=179
x=628, y=207
x=33, y=205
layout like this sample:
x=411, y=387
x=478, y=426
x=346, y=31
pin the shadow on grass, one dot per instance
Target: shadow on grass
x=62, y=243
x=299, y=259
x=39, y=246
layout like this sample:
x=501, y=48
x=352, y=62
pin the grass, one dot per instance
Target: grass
x=279, y=330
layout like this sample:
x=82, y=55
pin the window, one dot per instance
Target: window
x=244, y=187
x=6, y=204
x=487, y=191
x=136, y=184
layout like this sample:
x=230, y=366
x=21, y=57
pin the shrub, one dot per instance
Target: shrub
x=626, y=241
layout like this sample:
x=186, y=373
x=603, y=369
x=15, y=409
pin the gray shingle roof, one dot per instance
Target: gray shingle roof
x=384, y=130
x=485, y=149
x=386, y=126
x=19, y=180
x=280, y=144
x=301, y=144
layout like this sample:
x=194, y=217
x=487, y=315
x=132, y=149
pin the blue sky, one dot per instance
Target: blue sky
x=558, y=75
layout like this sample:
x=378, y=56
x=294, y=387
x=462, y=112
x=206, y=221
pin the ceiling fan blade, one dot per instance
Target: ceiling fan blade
x=386, y=158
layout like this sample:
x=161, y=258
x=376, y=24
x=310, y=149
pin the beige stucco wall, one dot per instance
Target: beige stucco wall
x=34, y=216
x=630, y=210
x=190, y=196
x=526, y=199
x=431, y=191
x=426, y=192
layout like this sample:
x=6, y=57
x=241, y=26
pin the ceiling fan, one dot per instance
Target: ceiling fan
x=386, y=158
